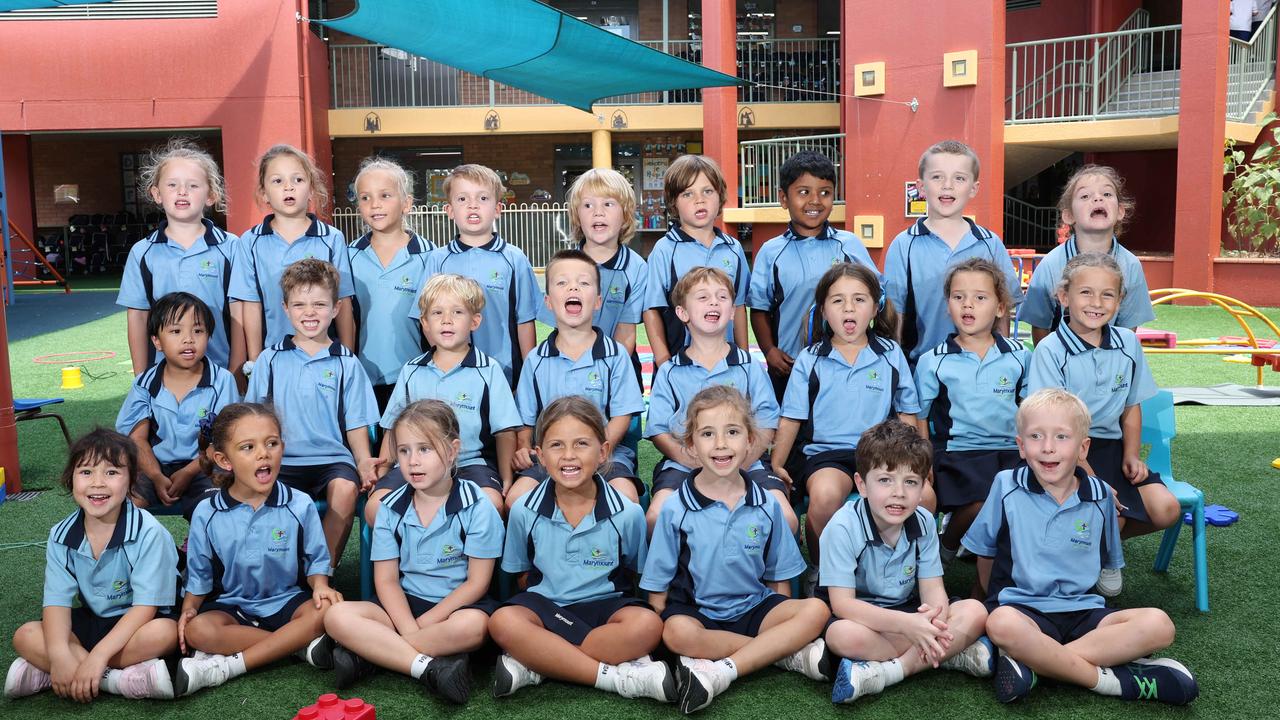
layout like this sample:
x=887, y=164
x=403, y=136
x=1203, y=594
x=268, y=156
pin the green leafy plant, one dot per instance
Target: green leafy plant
x=1252, y=201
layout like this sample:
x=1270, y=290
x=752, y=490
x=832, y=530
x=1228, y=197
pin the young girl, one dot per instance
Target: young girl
x=582, y=543
x=290, y=183
x=694, y=189
x=720, y=560
x=434, y=547
x=387, y=267
x=121, y=565
x=1104, y=365
x=186, y=252
x=1095, y=206
x=970, y=388
x=851, y=379
x=261, y=538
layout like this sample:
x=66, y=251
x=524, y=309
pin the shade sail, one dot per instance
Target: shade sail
x=527, y=45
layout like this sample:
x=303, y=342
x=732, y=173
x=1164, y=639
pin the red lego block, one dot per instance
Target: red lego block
x=332, y=707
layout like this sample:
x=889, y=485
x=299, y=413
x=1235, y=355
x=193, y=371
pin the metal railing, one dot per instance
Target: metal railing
x=798, y=70
x=760, y=160
x=1029, y=226
x=1251, y=69
x=539, y=229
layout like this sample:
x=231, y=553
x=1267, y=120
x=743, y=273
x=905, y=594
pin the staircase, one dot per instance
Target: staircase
x=1146, y=94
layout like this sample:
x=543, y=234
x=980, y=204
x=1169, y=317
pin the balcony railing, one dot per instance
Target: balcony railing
x=1251, y=70
x=1029, y=226
x=760, y=160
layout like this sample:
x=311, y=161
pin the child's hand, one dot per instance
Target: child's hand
x=925, y=634
x=323, y=594
x=779, y=362
x=1135, y=470
x=522, y=458
x=660, y=360
x=782, y=474
x=84, y=687
x=368, y=471
x=183, y=619
x=62, y=674
x=165, y=488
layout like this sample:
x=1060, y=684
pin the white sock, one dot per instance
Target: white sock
x=419, y=666
x=891, y=670
x=237, y=664
x=110, y=681
x=1108, y=683
x=728, y=668
x=607, y=677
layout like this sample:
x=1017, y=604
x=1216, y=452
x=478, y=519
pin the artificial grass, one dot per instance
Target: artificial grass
x=1224, y=451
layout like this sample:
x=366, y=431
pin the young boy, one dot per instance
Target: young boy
x=786, y=269
x=1042, y=537
x=324, y=399
x=167, y=403
x=577, y=359
x=881, y=569
x=919, y=256
x=469, y=381
x=702, y=299
x=480, y=253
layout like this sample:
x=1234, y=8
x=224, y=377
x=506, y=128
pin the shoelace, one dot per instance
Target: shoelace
x=136, y=682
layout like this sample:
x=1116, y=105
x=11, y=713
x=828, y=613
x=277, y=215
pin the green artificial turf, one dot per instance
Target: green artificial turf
x=1233, y=650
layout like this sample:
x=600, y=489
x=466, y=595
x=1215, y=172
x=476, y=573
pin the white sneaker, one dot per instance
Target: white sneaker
x=509, y=675
x=654, y=680
x=699, y=682
x=25, y=679
x=810, y=661
x=148, y=679
x=978, y=660
x=1110, y=582
x=855, y=679
x=206, y=672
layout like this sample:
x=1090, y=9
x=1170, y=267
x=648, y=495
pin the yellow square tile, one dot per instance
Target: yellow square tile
x=960, y=68
x=868, y=79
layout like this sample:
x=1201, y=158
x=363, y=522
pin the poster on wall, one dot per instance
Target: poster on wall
x=655, y=168
x=913, y=200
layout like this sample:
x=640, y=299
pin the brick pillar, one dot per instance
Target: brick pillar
x=720, y=105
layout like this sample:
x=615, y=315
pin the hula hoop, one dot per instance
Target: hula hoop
x=79, y=356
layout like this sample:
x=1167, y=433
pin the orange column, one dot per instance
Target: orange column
x=720, y=105
x=1197, y=235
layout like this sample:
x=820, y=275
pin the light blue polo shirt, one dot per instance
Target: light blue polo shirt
x=1046, y=556
x=139, y=565
x=854, y=556
x=837, y=401
x=916, y=268
x=786, y=273
x=718, y=558
x=596, y=560
x=433, y=559
x=676, y=253
x=175, y=426
x=383, y=297
x=1041, y=307
x=477, y=391
x=603, y=374
x=624, y=281
x=511, y=294
x=265, y=555
x=676, y=382
x=263, y=257
x=318, y=398
x=157, y=266
x=1108, y=378
x=971, y=401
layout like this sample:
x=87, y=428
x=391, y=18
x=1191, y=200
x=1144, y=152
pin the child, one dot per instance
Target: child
x=388, y=265
x=479, y=252
x=186, y=252
x=853, y=378
x=1105, y=366
x=582, y=544
x=786, y=269
x=881, y=568
x=167, y=403
x=720, y=560
x=577, y=359
x=1046, y=530
x=464, y=378
x=970, y=387
x=1095, y=206
x=702, y=299
x=120, y=564
x=288, y=181
x=919, y=257
x=250, y=548
x=324, y=397
x=434, y=548
x=694, y=189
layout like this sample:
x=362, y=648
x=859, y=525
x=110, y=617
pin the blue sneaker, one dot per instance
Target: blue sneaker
x=1163, y=680
x=855, y=679
x=1013, y=680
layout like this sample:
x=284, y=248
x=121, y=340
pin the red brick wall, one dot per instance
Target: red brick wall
x=796, y=12
x=650, y=20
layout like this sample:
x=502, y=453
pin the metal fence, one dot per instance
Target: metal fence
x=760, y=160
x=1252, y=69
x=1029, y=226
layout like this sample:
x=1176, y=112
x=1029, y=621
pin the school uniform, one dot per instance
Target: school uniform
x=578, y=576
x=971, y=403
x=318, y=399
x=1109, y=378
x=263, y=256
x=478, y=392
x=157, y=266
x=1041, y=308
x=675, y=254
x=511, y=295
x=854, y=556
x=175, y=425
x=1046, y=556
x=674, y=385
x=624, y=282
x=254, y=564
x=139, y=566
x=385, y=336
x=433, y=558
x=713, y=561
x=916, y=267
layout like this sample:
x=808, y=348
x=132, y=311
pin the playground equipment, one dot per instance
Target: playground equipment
x=1262, y=350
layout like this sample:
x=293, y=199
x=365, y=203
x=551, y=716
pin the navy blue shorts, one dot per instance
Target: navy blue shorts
x=270, y=623
x=747, y=624
x=200, y=486
x=1106, y=457
x=573, y=622
x=313, y=479
x=963, y=477
x=1065, y=627
x=89, y=629
x=669, y=476
x=846, y=461
x=609, y=471
x=418, y=605
x=486, y=476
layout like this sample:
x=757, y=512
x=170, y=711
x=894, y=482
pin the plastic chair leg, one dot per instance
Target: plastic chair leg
x=366, y=548
x=1165, y=554
x=1201, y=559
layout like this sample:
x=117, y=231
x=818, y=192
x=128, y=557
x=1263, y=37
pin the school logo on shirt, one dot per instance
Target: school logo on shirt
x=614, y=295
x=449, y=553
x=326, y=376
x=908, y=574
x=118, y=589
x=202, y=413
x=873, y=381
x=1120, y=383
x=495, y=281
x=753, y=542
x=279, y=541
x=1082, y=538
x=405, y=285
x=464, y=401
x=1004, y=385
x=728, y=264
x=598, y=558
x=207, y=269
x=593, y=382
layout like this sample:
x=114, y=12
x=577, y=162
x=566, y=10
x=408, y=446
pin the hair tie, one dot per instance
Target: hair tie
x=206, y=427
x=880, y=303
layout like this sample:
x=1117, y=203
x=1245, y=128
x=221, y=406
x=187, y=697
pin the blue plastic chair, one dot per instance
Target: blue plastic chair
x=1158, y=431
x=33, y=409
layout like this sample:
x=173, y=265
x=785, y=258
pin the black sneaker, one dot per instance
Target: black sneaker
x=449, y=677
x=1163, y=680
x=1013, y=680
x=318, y=653
x=349, y=667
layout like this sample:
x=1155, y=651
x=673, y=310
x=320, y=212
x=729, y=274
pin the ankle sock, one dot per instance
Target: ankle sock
x=607, y=677
x=1108, y=683
x=419, y=666
x=727, y=668
x=891, y=671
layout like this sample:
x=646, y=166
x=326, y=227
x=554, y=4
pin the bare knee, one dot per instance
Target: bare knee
x=1158, y=627
x=1005, y=625
x=626, y=487
x=372, y=505
x=342, y=495
x=29, y=638
x=504, y=624
x=681, y=633
x=788, y=513
x=968, y=616
x=200, y=631
x=655, y=506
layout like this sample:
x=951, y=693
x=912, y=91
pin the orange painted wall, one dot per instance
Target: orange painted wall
x=17, y=183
